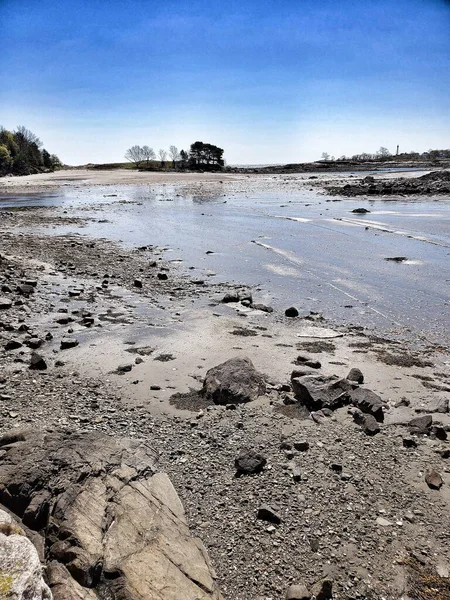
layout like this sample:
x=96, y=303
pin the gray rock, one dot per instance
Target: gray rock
x=13, y=345
x=433, y=480
x=263, y=308
x=25, y=290
x=20, y=567
x=138, y=283
x=321, y=391
x=291, y=312
x=249, y=462
x=34, y=343
x=421, y=424
x=37, y=362
x=298, y=592
x=234, y=381
x=5, y=303
x=355, y=375
x=301, y=445
x=99, y=500
x=409, y=442
x=230, y=297
x=368, y=402
x=323, y=590
x=162, y=276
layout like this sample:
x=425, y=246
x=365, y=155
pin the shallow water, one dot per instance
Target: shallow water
x=298, y=248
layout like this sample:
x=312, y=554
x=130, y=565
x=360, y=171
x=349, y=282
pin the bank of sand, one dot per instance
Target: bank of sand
x=138, y=346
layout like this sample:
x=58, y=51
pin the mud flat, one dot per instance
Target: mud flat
x=352, y=488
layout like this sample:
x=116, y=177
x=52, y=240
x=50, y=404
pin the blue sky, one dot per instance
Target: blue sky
x=269, y=82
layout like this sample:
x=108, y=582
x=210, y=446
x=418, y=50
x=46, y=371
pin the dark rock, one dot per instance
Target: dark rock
x=308, y=362
x=155, y=388
x=409, y=443
x=31, y=282
x=249, y=462
x=230, y=297
x=368, y=402
x=296, y=473
x=137, y=283
x=360, y=211
x=234, y=381
x=37, y=362
x=124, y=368
x=301, y=371
x=5, y=303
x=355, y=375
x=368, y=423
x=433, y=480
x=67, y=343
x=291, y=312
x=64, y=320
x=321, y=391
x=246, y=303
x=301, y=445
x=323, y=590
x=263, y=308
x=13, y=345
x=298, y=592
x=34, y=343
x=336, y=467
x=162, y=276
x=421, y=424
x=265, y=513
x=439, y=432
x=25, y=290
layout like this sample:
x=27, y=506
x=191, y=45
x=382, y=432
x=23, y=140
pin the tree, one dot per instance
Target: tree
x=174, y=155
x=135, y=155
x=184, y=157
x=24, y=137
x=5, y=160
x=383, y=153
x=148, y=154
x=325, y=156
x=205, y=156
x=163, y=157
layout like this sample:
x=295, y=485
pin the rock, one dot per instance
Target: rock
x=138, y=360
x=433, y=479
x=368, y=402
x=367, y=422
x=300, y=372
x=5, y=303
x=137, y=283
x=308, y=362
x=249, y=462
x=25, y=290
x=323, y=590
x=124, y=368
x=230, y=297
x=409, y=443
x=234, y=381
x=301, y=445
x=37, y=362
x=355, y=375
x=321, y=391
x=12, y=345
x=263, y=308
x=67, y=343
x=34, y=343
x=111, y=523
x=421, y=424
x=266, y=513
x=298, y=592
x=162, y=276
x=382, y=522
x=439, y=432
x=360, y=211
x=20, y=567
x=291, y=312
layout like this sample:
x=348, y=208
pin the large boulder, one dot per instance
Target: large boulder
x=110, y=521
x=20, y=567
x=322, y=391
x=368, y=402
x=233, y=382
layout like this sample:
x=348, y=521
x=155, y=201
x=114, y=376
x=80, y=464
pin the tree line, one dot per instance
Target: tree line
x=21, y=153
x=384, y=154
x=201, y=156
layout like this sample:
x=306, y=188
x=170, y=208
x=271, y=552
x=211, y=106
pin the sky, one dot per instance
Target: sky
x=270, y=82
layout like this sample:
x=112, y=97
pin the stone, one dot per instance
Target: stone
x=301, y=445
x=20, y=568
x=34, y=343
x=249, y=462
x=37, y=362
x=439, y=432
x=5, y=303
x=230, y=297
x=12, y=345
x=234, y=381
x=421, y=424
x=298, y=592
x=308, y=362
x=368, y=423
x=291, y=312
x=263, y=308
x=368, y=402
x=25, y=290
x=360, y=211
x=409, y=442
x=323, y=590
x=382, y=522
x=112, y=525
x=126, y=368
x=138, y=283
x=433, y=480
x=355, y=375
x=266, y=513
x=67, y=343
x=162, y=276
x=322, y=391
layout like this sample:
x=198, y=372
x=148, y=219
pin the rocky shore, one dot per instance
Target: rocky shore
x=311, y=458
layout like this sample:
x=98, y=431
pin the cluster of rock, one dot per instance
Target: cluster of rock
x=435, y=183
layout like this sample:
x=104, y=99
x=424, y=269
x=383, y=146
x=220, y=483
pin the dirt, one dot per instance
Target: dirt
x=360, y=524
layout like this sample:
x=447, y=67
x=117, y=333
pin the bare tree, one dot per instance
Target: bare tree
x=148, y=154
x=174, y=155
x=163, y=156
x=26, y=137
x=383, y=153
x=135, y=155
x=325, y=156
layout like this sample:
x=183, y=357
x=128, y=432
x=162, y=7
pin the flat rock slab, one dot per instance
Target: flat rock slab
x=321, y=391
x=110, y=521
x=318, y=332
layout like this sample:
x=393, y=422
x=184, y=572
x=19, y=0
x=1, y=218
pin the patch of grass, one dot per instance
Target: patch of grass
x=424, y=584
